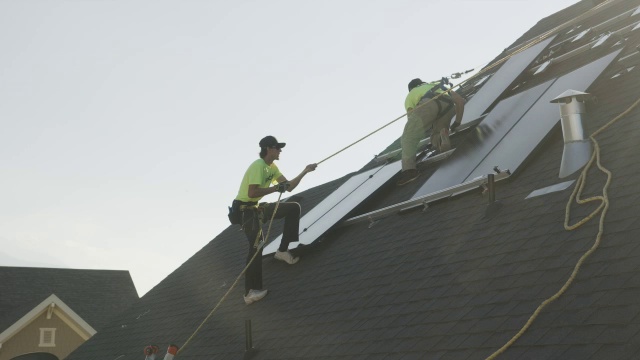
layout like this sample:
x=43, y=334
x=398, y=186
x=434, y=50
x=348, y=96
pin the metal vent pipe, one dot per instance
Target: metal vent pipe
x=577, y=149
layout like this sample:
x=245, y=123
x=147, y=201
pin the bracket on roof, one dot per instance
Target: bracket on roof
x=581, y=35
x=372, y=222
x=543, y=67
x=498, y=171
x=630, y=60
x=601, y=40
x=425, y=206
x=594, y=43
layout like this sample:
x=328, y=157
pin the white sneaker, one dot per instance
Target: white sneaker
x=286, y=257
x=254, y=295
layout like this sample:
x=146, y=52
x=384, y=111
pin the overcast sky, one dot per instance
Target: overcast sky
x=127, y=125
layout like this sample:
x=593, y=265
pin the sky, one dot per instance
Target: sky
x=126, y=126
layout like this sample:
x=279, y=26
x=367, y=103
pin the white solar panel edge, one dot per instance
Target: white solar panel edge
x=338, y=204
x=499, y=82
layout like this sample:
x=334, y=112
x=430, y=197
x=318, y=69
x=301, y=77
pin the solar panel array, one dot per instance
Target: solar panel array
x=512, y=130
x=337, y=205
x=499, y=82
x=505, y=138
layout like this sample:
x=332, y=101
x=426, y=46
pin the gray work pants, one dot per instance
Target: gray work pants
x=421, y=119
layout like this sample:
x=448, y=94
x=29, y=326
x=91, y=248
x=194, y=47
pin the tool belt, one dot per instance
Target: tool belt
x=237, y=209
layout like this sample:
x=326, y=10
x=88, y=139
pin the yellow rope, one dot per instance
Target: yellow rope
x=529, y=44
x=533, y=42
x=236, y=281
x=603, y=208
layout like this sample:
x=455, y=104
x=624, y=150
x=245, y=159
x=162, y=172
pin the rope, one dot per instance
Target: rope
x=526, y=46
x=275, y=210
x=533, y=42
x=603, y=209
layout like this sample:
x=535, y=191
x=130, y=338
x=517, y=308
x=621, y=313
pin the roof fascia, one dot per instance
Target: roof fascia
x=61, y=309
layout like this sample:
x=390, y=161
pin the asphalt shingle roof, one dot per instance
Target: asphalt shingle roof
x=95, y=295
x=455, y=281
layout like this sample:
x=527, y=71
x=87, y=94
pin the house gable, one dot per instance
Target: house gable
x=51, y=326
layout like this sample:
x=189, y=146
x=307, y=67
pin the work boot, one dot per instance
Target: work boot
x=286, y=257
x=407, y=176
x=254, y=295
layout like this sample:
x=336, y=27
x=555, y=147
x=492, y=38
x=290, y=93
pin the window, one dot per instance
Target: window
x=47, y=337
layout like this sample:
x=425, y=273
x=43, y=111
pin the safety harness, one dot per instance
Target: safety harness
x=433, y=94
x=258, y=212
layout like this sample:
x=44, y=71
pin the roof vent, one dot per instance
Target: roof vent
x=577, y=149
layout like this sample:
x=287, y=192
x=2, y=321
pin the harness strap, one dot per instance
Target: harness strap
x=442, y=99
x=260, y=213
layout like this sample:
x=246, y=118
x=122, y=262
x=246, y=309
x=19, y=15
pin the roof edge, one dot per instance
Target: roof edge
x=61, y=309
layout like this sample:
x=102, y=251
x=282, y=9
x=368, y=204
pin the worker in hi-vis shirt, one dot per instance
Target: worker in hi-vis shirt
x=246, y=212
x=427, y=108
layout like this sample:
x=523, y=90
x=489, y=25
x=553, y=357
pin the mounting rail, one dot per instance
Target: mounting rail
x=424, y=200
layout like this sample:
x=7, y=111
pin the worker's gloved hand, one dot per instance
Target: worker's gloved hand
x=283, y=186
x=454, y=125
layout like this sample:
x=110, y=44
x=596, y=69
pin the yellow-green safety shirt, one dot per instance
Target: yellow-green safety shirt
x=258, y=173
x=414, y=96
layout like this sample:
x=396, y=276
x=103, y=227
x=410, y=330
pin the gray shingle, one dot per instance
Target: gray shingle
x=95, y=295
x=451, y=282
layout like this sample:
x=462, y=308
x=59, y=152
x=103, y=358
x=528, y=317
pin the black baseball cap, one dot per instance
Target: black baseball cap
x=270, y=141
x=415, y=82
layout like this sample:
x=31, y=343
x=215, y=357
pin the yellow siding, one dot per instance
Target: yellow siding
x=28, y=339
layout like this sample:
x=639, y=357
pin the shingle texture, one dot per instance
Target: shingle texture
x=95, y=295
x=455, y=281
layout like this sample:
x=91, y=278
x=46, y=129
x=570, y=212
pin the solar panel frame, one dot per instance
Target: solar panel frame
x=510, y=144
x=338, y=204
x=529, y=131
x=499, y=82
x=482, y=140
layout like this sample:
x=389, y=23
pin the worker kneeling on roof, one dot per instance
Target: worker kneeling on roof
x=245, y=211
x=427, y=108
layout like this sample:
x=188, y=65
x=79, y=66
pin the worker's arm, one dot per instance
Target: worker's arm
x=255, y=191
x=296, y=180
x=459, y=104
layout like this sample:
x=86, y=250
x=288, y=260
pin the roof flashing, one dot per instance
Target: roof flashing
x=550, y=189
x=566, y=97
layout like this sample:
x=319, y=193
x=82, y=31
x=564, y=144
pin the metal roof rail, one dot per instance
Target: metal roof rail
x=424, y=200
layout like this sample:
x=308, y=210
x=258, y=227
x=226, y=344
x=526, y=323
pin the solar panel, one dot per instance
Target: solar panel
x=496, y=85
x=332, y=209
x=479, y=143
x=512, y=130
x=539, y=120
